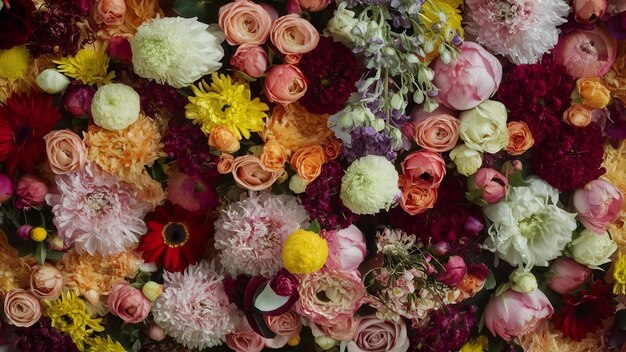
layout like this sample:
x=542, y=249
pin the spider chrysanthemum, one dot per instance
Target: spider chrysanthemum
x=69, y=315
x=88, y=66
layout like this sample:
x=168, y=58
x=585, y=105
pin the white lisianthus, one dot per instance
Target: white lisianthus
x=115, y=106
x=340, y=25
x=175, y=50
x=529, y=228
x=467, y=160
x=483, y=128
x=592, y=249
x=369, y=185
x=52, y=81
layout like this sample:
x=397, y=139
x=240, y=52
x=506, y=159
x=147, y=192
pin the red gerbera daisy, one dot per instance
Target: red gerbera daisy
x=584, y=311
x=24, y=120
x=176, y=237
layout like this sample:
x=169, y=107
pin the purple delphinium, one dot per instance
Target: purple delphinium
x=449, y=328
x=189, y=146
x=41, y=337
x=366, y=141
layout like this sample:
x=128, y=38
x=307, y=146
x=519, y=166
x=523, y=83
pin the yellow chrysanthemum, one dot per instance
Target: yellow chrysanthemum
x=478, y=344
x=304, y=252
x=441, y=31
x=69, y=315
x=14, y=62
x=619, y=274
x=100, y=344
x=226, y=103
x=88, y=65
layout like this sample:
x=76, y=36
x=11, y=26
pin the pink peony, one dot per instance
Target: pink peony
x=493, y=184
x=598, y=204
x=128, y=303
x=377, y=335
x=346, y=249
x=31, y=192
x=566, y=275
x=473, y=78
x=513, y=314
x=586, y=53
x=424, y=168
x=455, y=270
x=191, y=193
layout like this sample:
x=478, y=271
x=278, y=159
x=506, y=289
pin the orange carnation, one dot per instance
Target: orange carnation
x=294, y=127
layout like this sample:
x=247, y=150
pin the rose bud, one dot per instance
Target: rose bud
x=250, y=59
x=156, y=332
x=23, y=232
x=598, y=204
x=455, y=270
x=566, y=276
x=473, y=224
x=31, y=192
x=152, y=290
x=77, y=99
x=493, y=184
x=128, y=303
x=6, y=188
x=346, y=249
x=577, y=115
x=119, y=49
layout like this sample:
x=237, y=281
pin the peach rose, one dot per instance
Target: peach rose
x=223, y=139
x=424, y=168
x=274, y=155
x=66, y=151
x=22, y=308
x=46, y=281
x=577, y=115
x=226, y=163
x=299, y=6
x=520, y=138
x=244, y=339
x=332, y=149
x=110, y=12
x=416, y=199
x=594, y=94
x=285, y=84
x=292, y=34
x=128, y=303
x=250, y=173
x=286, y=325
x=244, y=22
x=340, y=330
x=250, y=59
x=438, y=133
x=308, y=162
x=374, y=334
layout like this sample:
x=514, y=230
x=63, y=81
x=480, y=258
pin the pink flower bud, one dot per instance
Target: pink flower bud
x=156, y=332
x=346, y=249
x=31, y=192
x=513, y=314
x=566, y=276
x=250, y=59
x=493, y=184
x=6, y=187
x=517, y=165
x=119, y=49
x=23, y=232
x=128, y=303
x=455, y=270
x=284, y=283
x=473, y=224
x=77, y=99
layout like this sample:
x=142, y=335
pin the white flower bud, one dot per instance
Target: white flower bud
x=523, y=281
x=52, y=81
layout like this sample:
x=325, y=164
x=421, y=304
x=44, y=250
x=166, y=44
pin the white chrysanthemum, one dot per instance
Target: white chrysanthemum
x=521, y=30
x=369, y=185
x=529, y=228
x=250, y=233
x=194, y=308
x=175, y=50
x=115, y=106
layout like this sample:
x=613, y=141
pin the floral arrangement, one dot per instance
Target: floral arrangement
x=313, y=175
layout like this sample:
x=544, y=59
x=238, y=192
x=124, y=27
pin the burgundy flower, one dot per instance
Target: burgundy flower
x=55, y=30
x=156, y=97
x=284, y=283
x=16, y=23
x=41, y=337
x=190, y=147
x=449, y=328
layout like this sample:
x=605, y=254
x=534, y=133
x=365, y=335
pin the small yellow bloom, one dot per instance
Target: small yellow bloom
x=100, y=344
x=478, y=344
x=594, y=94
x=68, y=314
x=38, y=234
x=88, y=66
x=304, y=252
x=14, y=62
x=619, y=274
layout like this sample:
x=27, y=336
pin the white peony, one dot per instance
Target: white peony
x=592, y=249
x=529, y=228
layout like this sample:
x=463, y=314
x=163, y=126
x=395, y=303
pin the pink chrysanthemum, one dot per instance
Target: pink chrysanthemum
x=250, y=233
x=522, y=30
x=194, y=308
x=96, y=212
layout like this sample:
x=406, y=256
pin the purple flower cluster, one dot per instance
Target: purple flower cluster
x=189, y=146
x=367, y=141
x=449, y=328
x=41, y=337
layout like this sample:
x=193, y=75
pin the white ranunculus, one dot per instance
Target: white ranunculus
x=467, y=160
x=115, y=106
x=592, y=249
x=483, y=128
x=529, y=228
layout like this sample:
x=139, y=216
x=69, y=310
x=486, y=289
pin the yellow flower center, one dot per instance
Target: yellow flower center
x=175, y=234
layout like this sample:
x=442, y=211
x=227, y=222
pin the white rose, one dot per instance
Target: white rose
x=467, y=160
x=340, y=25
x=592, y=249
x=52, y=81
x=484, y=127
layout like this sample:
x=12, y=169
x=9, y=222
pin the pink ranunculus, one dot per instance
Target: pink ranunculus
x=455, y=270
x=438, y=133
x=7, y=188
x=468, y=81
x=588, y=10
x=285, y=84
x=110, y=12
x=342, y=329
x=119, y=49
x=243, y=22
x=377, y=335
x=250, y=173
x=598, y=204
x=424, y=168
x=292, y=34
x=493, y=184
x=31, y=192
x=287, y=324
x=299, y=6
x=250, y=59
x=513, y=313
x=566, y=275
x=244, y=339
x=586, y=53
x=128, y=303
x=22, y=308
x=346, y=249
x=66, y=151
x=156, y=332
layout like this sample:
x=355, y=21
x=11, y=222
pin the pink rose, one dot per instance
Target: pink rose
x=299, y=6
x=250, y=173
x=128, y=303
x=22, y=308
x=244, y=339
x=377, y=335
x=119, y=49
x=46, y=281
x=343, y=329
x=111, y=12
x=346, y=249
x=588, y=10
x=66, y=151
x=250, y=59
x=285, y=84
x=468, y=81
x=598, y=204
x=31, y=192
x=455, y=270
x=566, y=276
x=77, y=99
x=292, y=34
x=493, y=184
x=438, y=133
x=513, y=314
x=424, y=168
x=244, y=22
x=285, y=326
x=6, y=187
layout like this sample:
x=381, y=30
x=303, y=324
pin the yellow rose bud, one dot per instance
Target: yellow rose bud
x=223, y=139
x=152, y=290
x=38, y=234
x=593, y=93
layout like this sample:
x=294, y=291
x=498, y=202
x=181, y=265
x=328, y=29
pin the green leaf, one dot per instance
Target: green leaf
x=136, y=346
x=194, y=8
x=517, y=180
x=490, y=283
x=54, y=255
x=315, y=226
x=40, y=253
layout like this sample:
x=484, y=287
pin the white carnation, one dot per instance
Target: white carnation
x=115, y=106
x=369, y=185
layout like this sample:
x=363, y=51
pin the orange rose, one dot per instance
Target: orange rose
x=593, y=93
x=250, y=173
x=225, y=165
x=332, y=149
x=292, y=34
x=244, y=22
x=577, y=115
x=223, y=139
x=274, y=155
x=437, y=133
x=416, y=199
x=520, y=138
x=308, y=162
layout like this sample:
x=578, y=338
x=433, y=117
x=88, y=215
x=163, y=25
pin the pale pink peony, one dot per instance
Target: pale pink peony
x=598, y=204
x=346, y=249
x=468, y=81
x=424, y=168
x=128, y=303
x=586, y=53
x=377, y=335
x=493, y=184
x=513, y=314
x=566, y=275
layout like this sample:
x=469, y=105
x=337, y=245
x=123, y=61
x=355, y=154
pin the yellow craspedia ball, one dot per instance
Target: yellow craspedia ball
x=38, y=234
x=304, y=252
x=14, y=62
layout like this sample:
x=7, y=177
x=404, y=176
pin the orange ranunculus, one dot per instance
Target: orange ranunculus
x=520, y=138
x=223, y=139
x=225, y=165
x=274, y=155
x=308, y=162
x=577, y=115
x=416, y=199
x=594, y=94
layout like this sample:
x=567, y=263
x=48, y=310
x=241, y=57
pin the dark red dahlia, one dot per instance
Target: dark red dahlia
x=24, y=120
x=16, y=23
x=56, y=30
x=176, y=237
x=41, y=337
x=537, y=94
x=571, y=157
x=583, y=312
x=331, y=73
